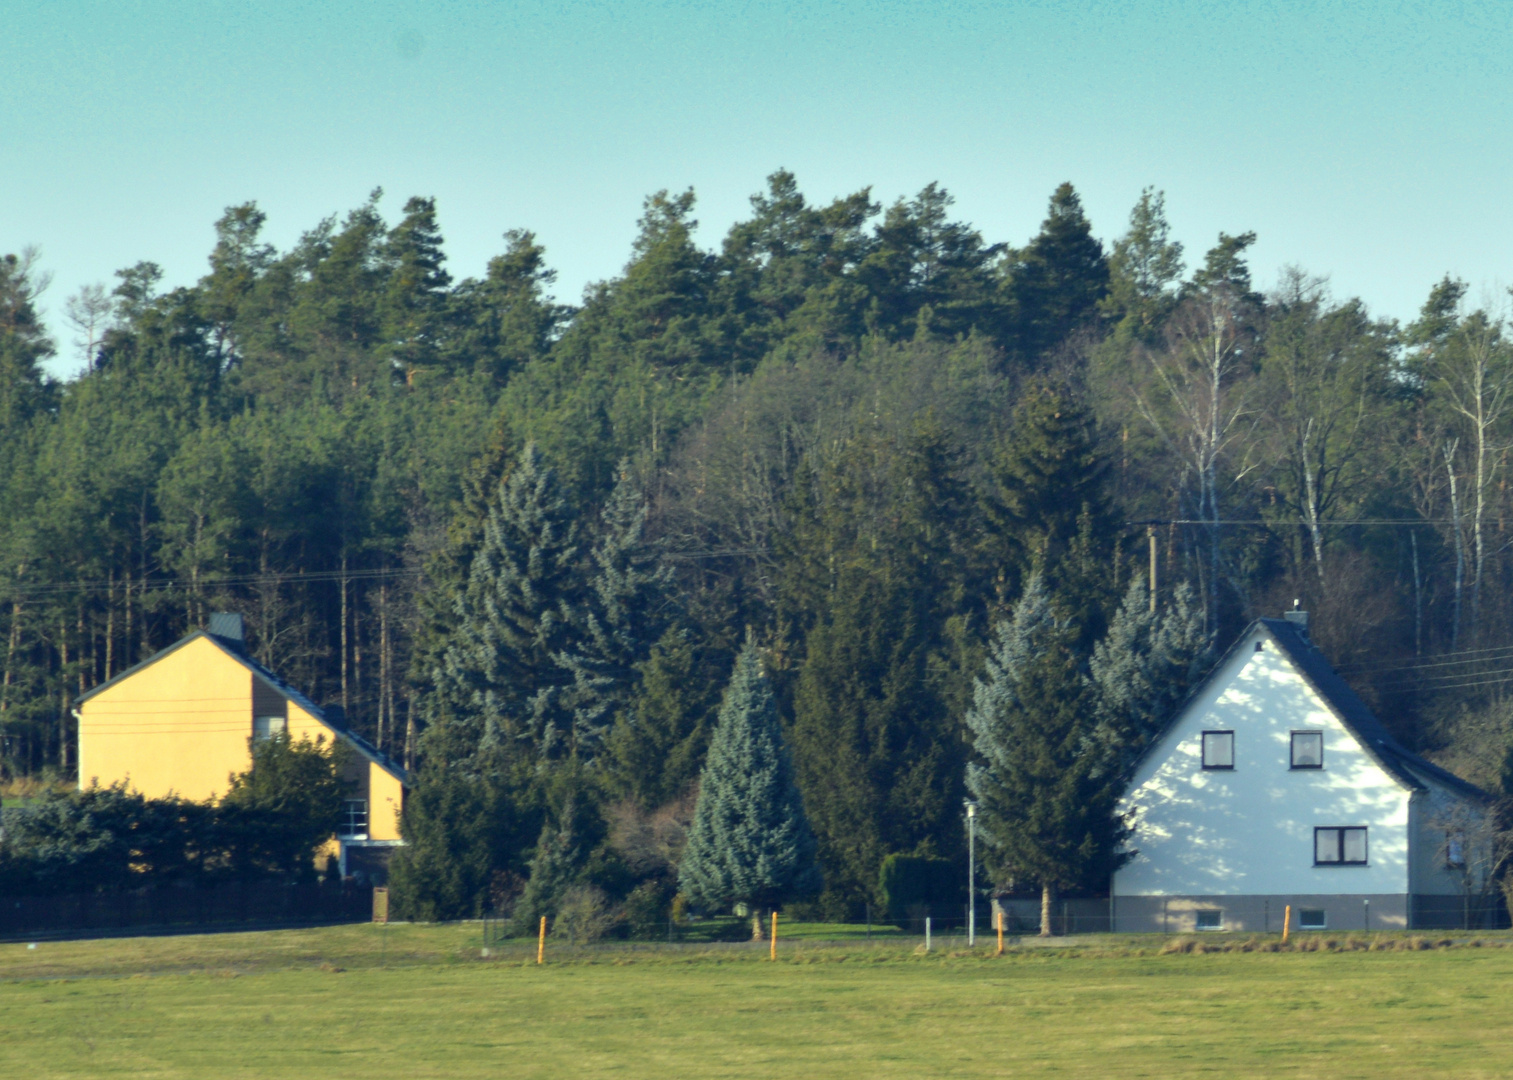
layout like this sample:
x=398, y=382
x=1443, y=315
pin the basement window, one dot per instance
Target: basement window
x=1339, y=846
x=354, y=820
x=1210, y=919
x=1307, y=749
x=1218, y=749
x=1311, y=918
x=265, y=727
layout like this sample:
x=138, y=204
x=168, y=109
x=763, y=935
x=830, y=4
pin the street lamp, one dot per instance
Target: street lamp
x=971, y=873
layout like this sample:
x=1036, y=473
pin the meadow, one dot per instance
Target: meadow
x=424, y=1001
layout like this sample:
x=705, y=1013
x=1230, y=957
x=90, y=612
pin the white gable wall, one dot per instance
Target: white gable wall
x=1249, y=831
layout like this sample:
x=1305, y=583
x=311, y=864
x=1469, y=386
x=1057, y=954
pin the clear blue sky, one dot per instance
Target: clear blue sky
x=1367, y=141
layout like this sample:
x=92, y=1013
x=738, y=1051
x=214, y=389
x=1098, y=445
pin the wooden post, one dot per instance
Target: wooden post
x=773, y=955
x=1286, y=923
x=998, y=918
x=541, y=943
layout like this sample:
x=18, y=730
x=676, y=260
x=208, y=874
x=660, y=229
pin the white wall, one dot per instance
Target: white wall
x=1250, y=831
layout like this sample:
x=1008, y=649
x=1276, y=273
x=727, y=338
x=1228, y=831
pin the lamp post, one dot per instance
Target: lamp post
x=971, y=873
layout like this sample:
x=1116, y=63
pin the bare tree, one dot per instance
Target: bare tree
x=90, y=312
x=1201, y=407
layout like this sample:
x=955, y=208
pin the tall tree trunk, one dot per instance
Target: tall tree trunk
x=346, y=702
x=1047, y=909
x=1460, y=540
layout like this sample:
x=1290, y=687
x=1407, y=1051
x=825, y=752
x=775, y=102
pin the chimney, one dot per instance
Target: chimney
x=227, y=626
x=1298, y=619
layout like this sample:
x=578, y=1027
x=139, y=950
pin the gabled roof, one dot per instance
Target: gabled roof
x=234, y=650
x=1398, y=761
x=1359, y=720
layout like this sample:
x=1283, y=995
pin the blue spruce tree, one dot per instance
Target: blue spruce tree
x=750, y=842
x=1047, y=798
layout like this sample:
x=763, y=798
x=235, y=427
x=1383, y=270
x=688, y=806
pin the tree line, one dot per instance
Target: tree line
x=520, y=543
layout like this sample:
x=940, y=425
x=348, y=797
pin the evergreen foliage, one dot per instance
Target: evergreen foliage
x=1046, y=793
x=750, y=842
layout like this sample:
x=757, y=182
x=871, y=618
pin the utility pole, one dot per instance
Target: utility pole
x=971, y=873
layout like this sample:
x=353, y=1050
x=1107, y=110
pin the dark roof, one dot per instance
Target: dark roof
x=237, y=650
x=1346, y=704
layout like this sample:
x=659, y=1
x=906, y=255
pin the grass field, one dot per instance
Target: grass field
x=420, y=1001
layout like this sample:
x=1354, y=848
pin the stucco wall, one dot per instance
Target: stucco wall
x=1249, y=831
x=179, y=726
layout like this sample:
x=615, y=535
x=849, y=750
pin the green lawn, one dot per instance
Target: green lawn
x=421, y=1001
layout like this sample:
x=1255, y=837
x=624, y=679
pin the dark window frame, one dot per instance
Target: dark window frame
x=1203, y=750
x=1340, y=831
x=1292, y=749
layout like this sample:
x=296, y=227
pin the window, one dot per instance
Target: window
x=1311, y=918
x=1210, y=919
x=265, y=727
x=1340, y=846
x=1307, y=749
x=354, y=819
x=1218, y=749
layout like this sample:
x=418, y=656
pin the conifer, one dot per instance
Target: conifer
x=750, y=842
x=1047, y=801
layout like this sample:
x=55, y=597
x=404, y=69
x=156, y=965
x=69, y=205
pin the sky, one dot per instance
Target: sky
x=1368, y=142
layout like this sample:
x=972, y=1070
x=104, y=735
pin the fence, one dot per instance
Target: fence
x=254, y=903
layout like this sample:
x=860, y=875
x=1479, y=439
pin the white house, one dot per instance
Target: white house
x=1274, y=786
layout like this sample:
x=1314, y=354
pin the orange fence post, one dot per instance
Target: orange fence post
x=773, y=955
x=541, y=943
x=1286, y=923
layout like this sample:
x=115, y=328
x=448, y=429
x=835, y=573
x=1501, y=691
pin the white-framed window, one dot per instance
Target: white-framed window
x=1209, y=919
x=1307, y=749
x=354, y=819
x=1339, y=845
x=1311, y=918
x=265, y=727
x=1218, y=749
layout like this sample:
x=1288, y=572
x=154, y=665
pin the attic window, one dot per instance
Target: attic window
x=1307, y=749
x=1218, y=749
x=265, y=727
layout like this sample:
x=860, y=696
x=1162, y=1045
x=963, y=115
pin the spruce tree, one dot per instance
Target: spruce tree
x=750, y=842
x=1143, y=669
x=622, y=616
x=498, y=685
x=1047, y=799
x=656, y=748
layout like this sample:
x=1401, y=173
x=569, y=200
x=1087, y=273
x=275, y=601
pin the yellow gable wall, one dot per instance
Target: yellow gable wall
x=180, y=725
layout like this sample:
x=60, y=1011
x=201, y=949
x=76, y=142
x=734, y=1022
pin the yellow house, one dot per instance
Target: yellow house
x=183, y=721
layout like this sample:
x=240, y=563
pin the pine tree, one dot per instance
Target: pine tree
x=1143, y=669
x=1047, y=798
x=498, y=686
x=750, y=842
x=625, y=611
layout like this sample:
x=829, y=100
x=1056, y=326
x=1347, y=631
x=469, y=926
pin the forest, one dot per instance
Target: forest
x=519, y=543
